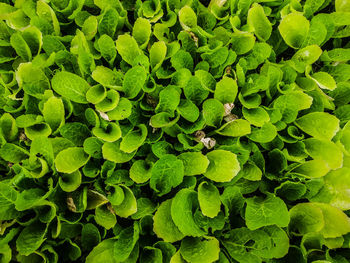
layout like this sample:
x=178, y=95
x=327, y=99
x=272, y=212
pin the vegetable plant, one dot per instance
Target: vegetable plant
x=175, y=131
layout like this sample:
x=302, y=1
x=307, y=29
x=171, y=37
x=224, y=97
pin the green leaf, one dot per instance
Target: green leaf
x=325, y=150
x=32, y=79
x=167, y=173
x=109, y=22
x=34, y=39
x=107, y=78
x=265, y=212
x=128, y=49
x=70, y=182
x=187, y=17
x=109, y=102
x=163, y=224
x=308, y=55
x=96, y=94
x=336, y=221
x=70, y=86
x=107, y=48
x=129, y=206
x=294, y=29
x=13, y=153
x=30, y=239
x=209, y=199
x=213, y=112
x=245, y=245
x=140, y=171
x=306, y=218
x=8, y=198
x=188, y=110
x=257, y=116
x=134, y=80
x=207, y=80
x=162, y=119
x=142, y=31
x=122, y=111
x=291, y=103
x=258, y=20
x=71, y=159
x=196, y=250
x=90, y=27
x=53, y=112
x=334, y=191
x=111, y=133
x=342, y=5
x=242, y=42
x=8, y=127
x=181, y=212
x=151, y=254
x=126, y=243
x=90, y=236
x=320, y=125
x=324, y=80
x=157, y=54
x=102, y=252
x=223, y=166
x=194, y=90
x=169, y=99
x=104, y=217
x=111, y=151
x=264, y=134
x=76, y=132
x=312, y=169
x=226, y=90
x=195, y=163
x=235, y=128
x=21, y=47
x=134, y=139
x=145, y=208
x=280, y=242
x=182, y=59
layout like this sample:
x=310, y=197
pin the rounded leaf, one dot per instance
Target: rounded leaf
x=197, y=250
x=209, y=199
x=70, y=86
x=294, y=29
x=223, y=166
x=163, y=224
x=195, y=163
x=71, y=159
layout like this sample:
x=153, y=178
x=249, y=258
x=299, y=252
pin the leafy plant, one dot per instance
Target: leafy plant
x=174, y=131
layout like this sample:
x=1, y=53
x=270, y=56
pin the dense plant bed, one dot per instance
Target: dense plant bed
x=174, y=131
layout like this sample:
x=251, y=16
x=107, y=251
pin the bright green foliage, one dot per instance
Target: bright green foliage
x=163, y=225
x=133, y=82
x=328, y=221
x=213, y=112
x=196, y=250
x=182, y=207
x=235, y=128
x=160, y=131
x=320, y=125
x=71, y=159
x=167, y=173
x=128, y=49
x=226, y=90
x=258, y=20
x=209, y=199
x=294, y=29
x=195, y=163
x=70, y=86
x=266, y=211
x=223, y=166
